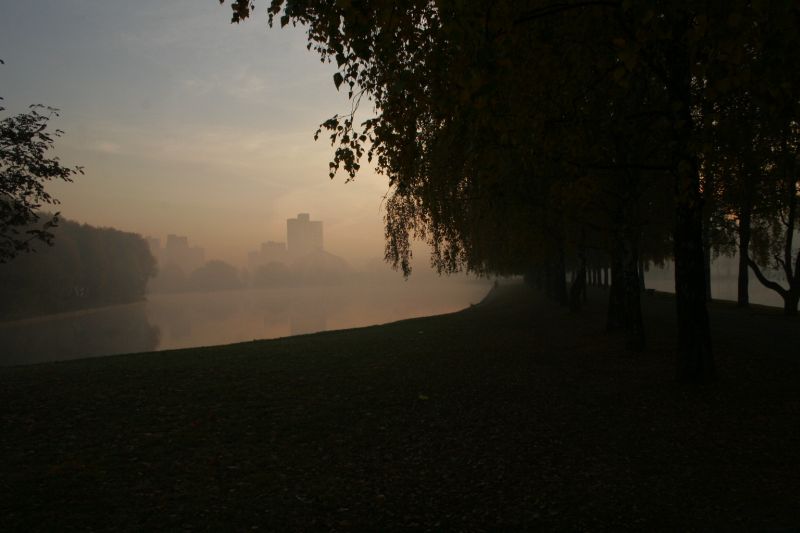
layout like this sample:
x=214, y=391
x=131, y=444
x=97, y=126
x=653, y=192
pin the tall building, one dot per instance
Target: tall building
x=303, y=235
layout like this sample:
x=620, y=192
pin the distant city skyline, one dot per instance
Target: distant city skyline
x=185, y=123
x=302, y=237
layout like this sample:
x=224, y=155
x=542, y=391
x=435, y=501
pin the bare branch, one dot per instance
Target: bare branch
x=763, y=279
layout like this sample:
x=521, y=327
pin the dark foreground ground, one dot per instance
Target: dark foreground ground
x=510, y=415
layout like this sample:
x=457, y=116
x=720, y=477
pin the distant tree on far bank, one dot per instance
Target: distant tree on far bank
x=87, y=267
x=272, y=274
x=25, y=168
x=214, y=276
x=170, y=278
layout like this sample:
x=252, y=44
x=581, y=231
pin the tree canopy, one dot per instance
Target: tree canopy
x=87, y=267
x=25, y=168
x=518, y=135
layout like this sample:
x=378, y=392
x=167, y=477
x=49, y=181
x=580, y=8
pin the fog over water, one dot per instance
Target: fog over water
x=184, y=320
x=169, y=321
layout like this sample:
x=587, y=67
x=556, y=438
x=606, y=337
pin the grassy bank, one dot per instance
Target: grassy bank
x=511, y=414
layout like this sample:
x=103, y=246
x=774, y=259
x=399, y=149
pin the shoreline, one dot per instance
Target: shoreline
x=93, y=310
x=221, y=318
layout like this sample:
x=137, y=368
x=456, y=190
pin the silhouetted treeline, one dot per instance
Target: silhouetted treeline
x=316, y=268
x=212, y=276
x=86, y=267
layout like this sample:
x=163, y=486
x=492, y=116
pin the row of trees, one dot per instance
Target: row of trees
x=519, y=136
x=87, y=267
x=212, y=276
x=317, y=268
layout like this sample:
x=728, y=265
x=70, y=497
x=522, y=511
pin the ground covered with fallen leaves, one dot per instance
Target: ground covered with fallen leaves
x=511, y=415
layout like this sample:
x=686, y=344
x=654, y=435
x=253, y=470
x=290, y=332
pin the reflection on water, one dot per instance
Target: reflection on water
x=168, y=321
x=109, y=330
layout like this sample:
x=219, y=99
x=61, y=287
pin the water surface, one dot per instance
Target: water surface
x=168, y=321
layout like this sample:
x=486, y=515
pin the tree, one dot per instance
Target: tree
x=25, y=168
x=214, y=276
x=485, y=114
x=88, y=267
x=781, y=222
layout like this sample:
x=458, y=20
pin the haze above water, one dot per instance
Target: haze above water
x=168, y=321
x=171, y=321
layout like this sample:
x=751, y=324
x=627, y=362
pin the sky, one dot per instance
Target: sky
x=186, y=123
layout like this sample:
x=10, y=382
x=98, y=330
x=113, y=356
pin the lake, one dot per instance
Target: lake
x=169, y=321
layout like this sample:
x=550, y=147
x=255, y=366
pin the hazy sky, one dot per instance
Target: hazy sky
x=185, y=123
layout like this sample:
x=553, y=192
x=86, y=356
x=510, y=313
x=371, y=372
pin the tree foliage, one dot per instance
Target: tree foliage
x=86, y=267
x=25, y=168
x=518, y=135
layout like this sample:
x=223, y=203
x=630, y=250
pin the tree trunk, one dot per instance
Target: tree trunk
x=634, y=326
x=641, y=275
x=583, y=272
x=695, y=362
x=790, y=302
x=615, y=318
x=548, y=280
x=743, y=289
x=585, y=289
x=578, y=289
x=709, y=208
x=707, y=260
x=791, y=265
x=624, y=297
x=559, y=278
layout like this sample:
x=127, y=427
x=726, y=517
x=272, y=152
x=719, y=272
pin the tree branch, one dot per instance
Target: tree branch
x=763, y=279
x=796, y=269
x=781, y=263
